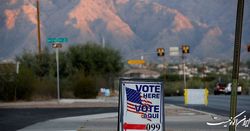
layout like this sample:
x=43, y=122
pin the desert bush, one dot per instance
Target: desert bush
x=25, y=84
x=82, y=68
x=7, y=88
x=45, y=88
x=84, y=86
x=7, y=82
x=173, y=88
x=66, y=88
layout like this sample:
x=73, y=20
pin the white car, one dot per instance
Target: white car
x=229, y=87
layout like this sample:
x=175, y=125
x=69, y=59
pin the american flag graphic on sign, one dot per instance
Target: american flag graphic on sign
x=134, y=99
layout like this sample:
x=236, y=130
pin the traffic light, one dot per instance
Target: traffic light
x=248, y=48
x=160, y=51
x=185, y=49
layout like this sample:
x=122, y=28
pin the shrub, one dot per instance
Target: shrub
x=66, y=88
x=7, y=88
x=7, y=82
x=84, y=87
x=25, y=84
x=45, y=88
x=173, y=89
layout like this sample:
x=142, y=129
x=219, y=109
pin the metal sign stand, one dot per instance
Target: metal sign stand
x=57, y=46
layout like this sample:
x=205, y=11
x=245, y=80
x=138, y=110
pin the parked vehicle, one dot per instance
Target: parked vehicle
x=219, y=88
x=229, y=87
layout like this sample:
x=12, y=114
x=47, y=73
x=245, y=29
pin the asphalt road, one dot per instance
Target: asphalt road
x=219, y=105
x=14, y=119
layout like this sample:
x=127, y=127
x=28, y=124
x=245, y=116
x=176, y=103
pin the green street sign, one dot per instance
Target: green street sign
x=57, y=40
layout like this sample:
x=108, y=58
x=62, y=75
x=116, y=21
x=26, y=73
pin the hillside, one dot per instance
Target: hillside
x=132, y=26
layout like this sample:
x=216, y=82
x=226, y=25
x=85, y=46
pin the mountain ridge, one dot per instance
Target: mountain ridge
x=130, y=26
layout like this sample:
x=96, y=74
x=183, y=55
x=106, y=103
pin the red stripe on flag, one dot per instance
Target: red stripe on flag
x=134, y=126
x=146, y=101
x=135, y=112
x=130, y=104
x=131, y=107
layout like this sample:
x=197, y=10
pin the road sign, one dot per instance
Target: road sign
x=132, y=62
x=56, y=45
x=141, y=105
x=57, y=40
x=174, y=51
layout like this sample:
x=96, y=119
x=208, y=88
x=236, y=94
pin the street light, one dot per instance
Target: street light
x=57, y=46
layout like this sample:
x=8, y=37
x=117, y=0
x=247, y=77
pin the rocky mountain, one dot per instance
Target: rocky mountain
x=135, y=27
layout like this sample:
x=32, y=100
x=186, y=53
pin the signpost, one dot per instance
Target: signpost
x=185, y=50
x=57, y=40
x=56, y=43
x=174, y=51
x=141, y=105
x=57, y=46
x=133, y=62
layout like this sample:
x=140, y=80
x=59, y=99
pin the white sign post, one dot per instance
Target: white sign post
x=57, y=46
x=174, y=51
x=141, y=105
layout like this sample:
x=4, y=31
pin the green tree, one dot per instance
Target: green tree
x=93, y=59
x=39, y=63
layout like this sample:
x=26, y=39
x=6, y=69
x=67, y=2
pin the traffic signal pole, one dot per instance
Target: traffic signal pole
x=185, y=50
x=184, y=72
x=236, y=62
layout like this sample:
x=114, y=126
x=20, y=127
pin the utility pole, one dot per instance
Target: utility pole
x=236, y=63
x=38, y=27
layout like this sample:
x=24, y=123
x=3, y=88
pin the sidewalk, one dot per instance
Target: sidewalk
x=177, y=119
x=64, y=103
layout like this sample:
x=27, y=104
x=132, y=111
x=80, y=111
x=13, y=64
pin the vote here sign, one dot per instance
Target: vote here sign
x=141, y=105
